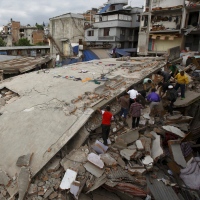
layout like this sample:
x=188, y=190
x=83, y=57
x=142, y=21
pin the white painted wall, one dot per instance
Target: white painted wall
x=167, y=3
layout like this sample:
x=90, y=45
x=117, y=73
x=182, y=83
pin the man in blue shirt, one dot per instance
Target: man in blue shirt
x=154, y=99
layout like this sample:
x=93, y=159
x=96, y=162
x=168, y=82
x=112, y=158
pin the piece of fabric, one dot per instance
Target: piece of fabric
x=153, y=97
x=105, y=133
x=191, y=174
x=135, y=121
x=135, y=109
x=133, y=93
x=124, y=102
x=182, y=79
x=106, y=117
x=182, y=86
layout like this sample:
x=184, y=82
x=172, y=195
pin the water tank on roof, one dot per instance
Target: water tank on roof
x=125, y=2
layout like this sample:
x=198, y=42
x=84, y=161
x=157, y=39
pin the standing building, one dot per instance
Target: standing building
x=65, y=30
x=115, y=25
x=165, y=23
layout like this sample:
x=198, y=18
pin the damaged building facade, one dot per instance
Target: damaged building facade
x=166, y=24
x=115, y=24
x=14, y=31
x=65, y=30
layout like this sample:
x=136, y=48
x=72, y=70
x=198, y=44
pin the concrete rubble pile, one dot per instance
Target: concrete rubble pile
x=77, y=165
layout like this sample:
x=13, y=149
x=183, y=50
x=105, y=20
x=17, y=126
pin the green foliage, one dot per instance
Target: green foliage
x=39, y=27
x=40, y=44
x=2, y=43
x=23, y=42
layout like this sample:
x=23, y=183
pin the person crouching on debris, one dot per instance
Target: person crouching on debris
x=107, y=116
x=147, y=82
x=135, y=113
x=182, y=81
x=133, y=94
x=171, y=97
x=166, y=76
x=124, y=102
x=154, y=100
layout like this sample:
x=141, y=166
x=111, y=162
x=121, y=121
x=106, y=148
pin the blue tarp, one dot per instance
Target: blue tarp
x=3, y=53
x=122, y=52
x=69, y=61
x=76, y=49
x=89, y=55
x=105, y=8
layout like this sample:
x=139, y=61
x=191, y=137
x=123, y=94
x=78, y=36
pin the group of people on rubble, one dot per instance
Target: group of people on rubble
x=133, y=101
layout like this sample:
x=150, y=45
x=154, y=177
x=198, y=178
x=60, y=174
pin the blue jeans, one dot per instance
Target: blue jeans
x=124, y=112
x=182, y=86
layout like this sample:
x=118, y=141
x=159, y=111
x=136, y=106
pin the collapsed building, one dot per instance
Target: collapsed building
x=51, y=137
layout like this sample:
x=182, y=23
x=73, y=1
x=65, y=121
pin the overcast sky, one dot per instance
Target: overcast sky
x=30, y=12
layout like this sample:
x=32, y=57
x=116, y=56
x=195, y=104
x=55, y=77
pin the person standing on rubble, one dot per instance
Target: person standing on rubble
x=133, y=94
x=172, y=68
x=135, y=113
x=166, y=76
x=182, y=81
x=154, y=99
x=124, y=102
x=171, y=97
x=107, y=116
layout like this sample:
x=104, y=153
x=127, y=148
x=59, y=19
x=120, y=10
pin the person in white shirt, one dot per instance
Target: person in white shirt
x=133, y=94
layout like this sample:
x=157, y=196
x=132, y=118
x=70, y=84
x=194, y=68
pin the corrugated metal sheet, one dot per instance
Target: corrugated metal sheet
x=22, y=65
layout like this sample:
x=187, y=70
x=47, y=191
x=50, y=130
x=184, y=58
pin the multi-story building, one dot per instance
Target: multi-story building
x=89, y=15
x=13, y=31
x=115, y=25
x=65, y=30
x=165, y=24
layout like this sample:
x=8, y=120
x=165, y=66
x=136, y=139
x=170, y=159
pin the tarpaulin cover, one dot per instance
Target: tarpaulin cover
x=122, y=52
x=76, y=49
x=69, y=61
x=89, y=55
x=104, y=9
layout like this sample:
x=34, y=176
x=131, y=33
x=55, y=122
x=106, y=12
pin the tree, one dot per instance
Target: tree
x=23, y=42
x=2, y=43
x=39, y=27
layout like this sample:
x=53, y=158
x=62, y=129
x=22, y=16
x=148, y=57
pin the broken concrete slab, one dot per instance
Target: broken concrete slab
x=4, y=179
x=128, y=153
x=108, y=160
x=33, y=189
x=129, y=137
x=54, y=165
x=174, y=130
x=24, y=160
x=148, y=160
x=68, y=179
x=24, y=181
x=136, y=171
x=120, y=162
x=95, y=160
x=139, y=145
x=156, y=150
x=48, y=193
x=176, y=152
x=99, y=147
x=74, y=189
x=93, y=169
x=98, y=183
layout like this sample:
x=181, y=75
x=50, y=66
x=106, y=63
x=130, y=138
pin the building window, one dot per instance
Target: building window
x=112, y=7
x=91, y=33
x=106, y=31
x=138, y=18
x=123, y=31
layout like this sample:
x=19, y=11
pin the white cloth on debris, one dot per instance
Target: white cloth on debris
x=191, y=174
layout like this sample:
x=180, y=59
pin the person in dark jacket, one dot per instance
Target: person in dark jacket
x=172, y=97
x=166, y=76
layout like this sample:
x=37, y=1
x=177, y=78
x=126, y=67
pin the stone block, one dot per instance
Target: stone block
x=68, y=179
x=53, y=195
x=95, y=160
x=128, y=154
x=33, y=189
x=108, y=160
x=4, y=179
x=48, y=193
x=24, y=160
x=54, y=165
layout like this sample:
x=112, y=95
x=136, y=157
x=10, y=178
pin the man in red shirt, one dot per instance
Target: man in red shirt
x=107, y=116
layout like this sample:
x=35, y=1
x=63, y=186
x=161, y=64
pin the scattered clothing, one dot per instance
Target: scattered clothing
x=191, y=174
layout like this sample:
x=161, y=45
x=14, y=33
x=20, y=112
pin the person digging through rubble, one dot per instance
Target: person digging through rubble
x=107, y=116
x=124, y=102
x=133, y=94
x=166, y=76
x=135, y=113
x=172, y=68
x=182, y=81
x=171, y=95
x=162, y=88
x=147, y=82
x=154, y=100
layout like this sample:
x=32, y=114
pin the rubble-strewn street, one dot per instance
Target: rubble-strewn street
x=51, y=141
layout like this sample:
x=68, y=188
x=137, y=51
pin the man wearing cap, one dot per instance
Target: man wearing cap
x=182, y=81
x=171, y=96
